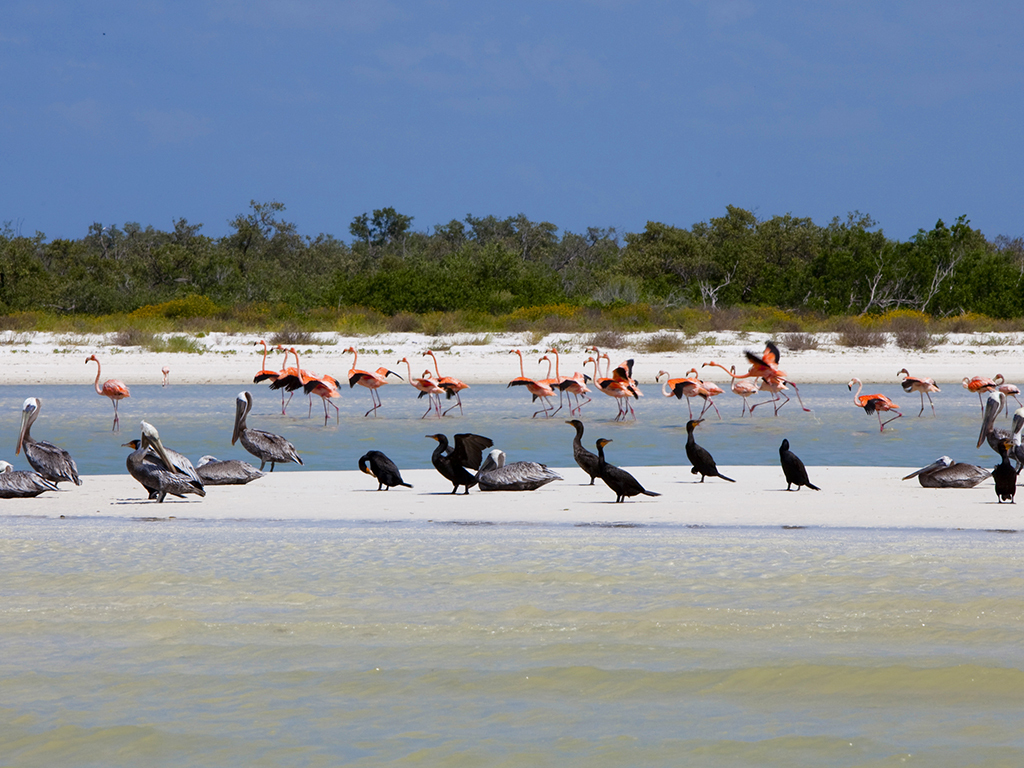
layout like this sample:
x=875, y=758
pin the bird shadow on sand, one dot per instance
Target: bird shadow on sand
x=133, y=502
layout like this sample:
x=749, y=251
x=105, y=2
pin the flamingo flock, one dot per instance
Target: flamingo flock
x=162, y=471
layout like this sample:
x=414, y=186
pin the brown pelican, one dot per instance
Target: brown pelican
x=265, y=446
x=496, y=475
x=453, y=462
x=793, y=468
x=382, y=468
x=944, y=473
x=20, y=485
x=702, y=461
x=159, y=470
x=995, y=436
x=619, y=480
x=588, y=461
x=49, y=460
x=213, y=471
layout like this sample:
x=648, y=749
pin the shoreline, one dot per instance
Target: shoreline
x=851, y=497
x=46, y=358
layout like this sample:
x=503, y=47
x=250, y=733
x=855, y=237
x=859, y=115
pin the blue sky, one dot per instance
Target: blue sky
x=605, y=113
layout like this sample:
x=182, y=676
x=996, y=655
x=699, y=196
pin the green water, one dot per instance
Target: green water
x=222, y=644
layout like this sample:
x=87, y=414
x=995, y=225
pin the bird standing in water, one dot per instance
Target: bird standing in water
x=702, y=461
x=793, y=468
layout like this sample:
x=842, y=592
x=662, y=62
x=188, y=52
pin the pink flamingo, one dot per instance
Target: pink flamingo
x=326, y=387
x=708, y=390
x=620, y=390
x=741, y=388
x=535, y=388
x=165, y=371
x=874, y=404
x=112, y=388
x=1010, y=390
x=920, y=384
x=450, y=385
x=575, y=385
x=679, y=388
x=372, y=381
x=766, y=367
x=426, y=386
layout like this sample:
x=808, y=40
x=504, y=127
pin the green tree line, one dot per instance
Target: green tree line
x=498, y=265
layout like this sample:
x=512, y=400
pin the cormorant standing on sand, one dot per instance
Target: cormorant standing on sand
x=1004, y=474
x=794, y=469
x=619, y=480
x=703, y=462
x=588, y=461
x=452, y=462
x=382, y=468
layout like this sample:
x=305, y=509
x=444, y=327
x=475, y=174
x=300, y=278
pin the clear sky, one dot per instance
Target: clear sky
x=605, y=113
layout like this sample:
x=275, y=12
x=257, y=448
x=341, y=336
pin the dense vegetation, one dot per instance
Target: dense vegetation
x=513, y=267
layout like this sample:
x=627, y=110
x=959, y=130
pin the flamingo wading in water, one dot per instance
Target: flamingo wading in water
x=372, y=381
x=874, y=404
x=450, y=385
x=112, y=388
x=919, y=384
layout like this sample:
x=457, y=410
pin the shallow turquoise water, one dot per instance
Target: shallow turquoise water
x=197, y=420
x=233, y=643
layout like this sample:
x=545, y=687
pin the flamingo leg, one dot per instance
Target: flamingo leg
x=545, y=410
x=117, y=423
x=883, y=423
x=799, y=399
x=710, y=403
x=458, y=402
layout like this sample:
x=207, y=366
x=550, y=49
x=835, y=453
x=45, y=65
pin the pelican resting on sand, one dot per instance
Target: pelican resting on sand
x=945, y=473
x=496, y=475
x=16, y=484
x=213, y=471
x=49, y=460
x=382, y=468
x=159, y=470
x=265, y=446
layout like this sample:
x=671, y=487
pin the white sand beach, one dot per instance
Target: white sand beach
x=851, y=496
x=45, y=358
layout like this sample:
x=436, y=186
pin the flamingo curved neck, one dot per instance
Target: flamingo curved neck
x=96, y=384
x=432, y=357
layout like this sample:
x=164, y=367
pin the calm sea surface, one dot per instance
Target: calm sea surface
x=197, y=420
x=178, y=643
